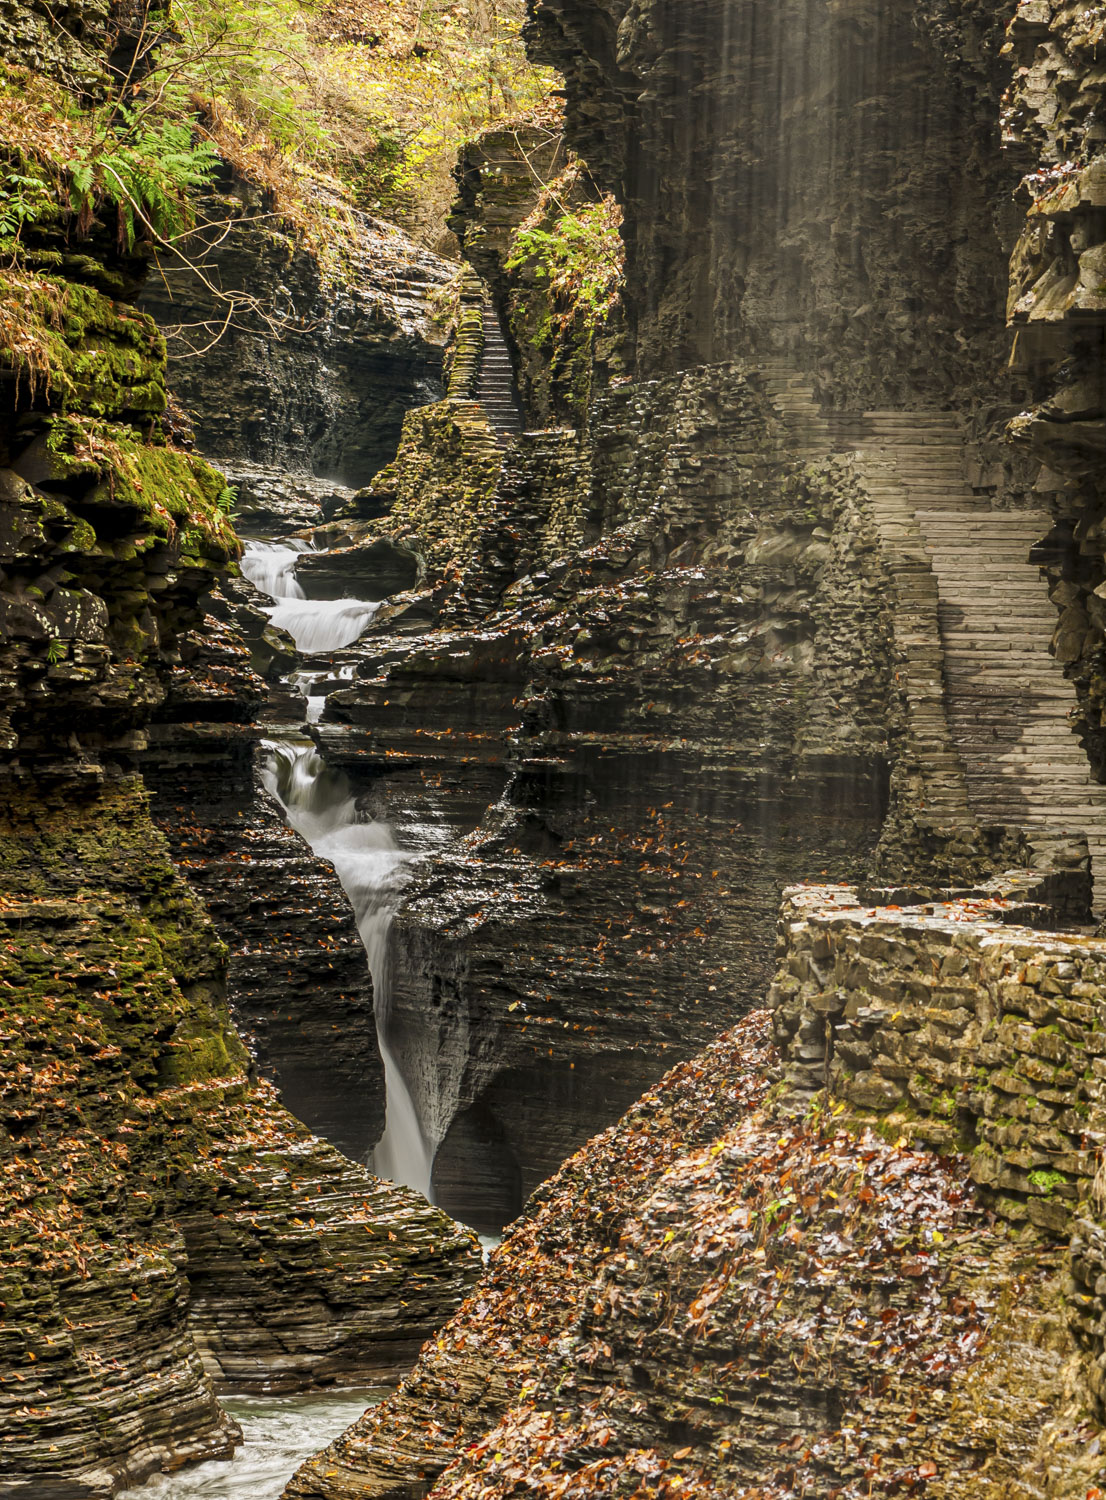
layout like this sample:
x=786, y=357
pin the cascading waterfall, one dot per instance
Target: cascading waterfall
x=271, y=567
x=319, y=804
x=316, y=625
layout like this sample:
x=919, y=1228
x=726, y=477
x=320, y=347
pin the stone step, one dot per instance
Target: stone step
x=986, y=699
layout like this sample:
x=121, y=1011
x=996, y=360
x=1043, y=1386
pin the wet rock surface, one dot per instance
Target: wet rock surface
x=298, y=983
x=167, y=1223
x=711, y=123
x=318, y=377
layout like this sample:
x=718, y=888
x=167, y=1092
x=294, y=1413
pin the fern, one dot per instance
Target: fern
x=147, y=169
x=581, y=258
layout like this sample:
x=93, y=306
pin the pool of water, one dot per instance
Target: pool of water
x=279, y=1432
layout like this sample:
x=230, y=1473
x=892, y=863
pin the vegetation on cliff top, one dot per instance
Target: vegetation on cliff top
x=566, y=272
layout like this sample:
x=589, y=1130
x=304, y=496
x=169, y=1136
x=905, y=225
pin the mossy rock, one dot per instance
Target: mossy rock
x=175, y=497
x=70, y=345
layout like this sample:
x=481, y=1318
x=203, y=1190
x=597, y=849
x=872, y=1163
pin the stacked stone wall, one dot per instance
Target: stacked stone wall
x=963, y=1024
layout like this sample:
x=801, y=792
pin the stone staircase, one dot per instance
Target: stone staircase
x=988, y=704
x=495, y=385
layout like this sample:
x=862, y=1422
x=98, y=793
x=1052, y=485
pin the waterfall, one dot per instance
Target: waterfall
x=319, y=804
x=316, y=625
x=271, y=567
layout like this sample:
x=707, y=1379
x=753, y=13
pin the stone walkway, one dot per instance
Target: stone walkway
x=988, y=704
x=495, y=386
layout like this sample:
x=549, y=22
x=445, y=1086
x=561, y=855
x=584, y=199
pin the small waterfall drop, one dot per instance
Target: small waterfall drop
x=319, y=804
x=319, y=625
x=271, y=567
x=316, y=625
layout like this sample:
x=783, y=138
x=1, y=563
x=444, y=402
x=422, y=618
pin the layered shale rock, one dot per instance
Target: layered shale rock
x=167, y=1223
x=297, y=978
x=724, y=633
x=711, y=672
x=316, y=370
x=1057, y=308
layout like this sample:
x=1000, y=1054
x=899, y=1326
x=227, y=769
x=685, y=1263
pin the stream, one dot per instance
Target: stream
x=320, y=805
x=316, y=625
x=278, y=1434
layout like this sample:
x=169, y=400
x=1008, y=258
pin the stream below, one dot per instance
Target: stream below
x=278, y=1434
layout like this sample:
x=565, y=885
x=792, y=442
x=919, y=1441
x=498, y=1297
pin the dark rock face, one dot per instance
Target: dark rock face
x=651, y=736
x=824, y=179
x=297, y=977
x=64, y=41
x=711, y=671
x=352, y=565
x=319, y=378
x=1057, y=307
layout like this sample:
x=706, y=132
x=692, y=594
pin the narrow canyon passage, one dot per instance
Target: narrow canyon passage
x=553, y=750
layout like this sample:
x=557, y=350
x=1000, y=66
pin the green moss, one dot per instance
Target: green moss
x=72, y=344
x=1044, y=1181
x=445, y=479
x=176, y=497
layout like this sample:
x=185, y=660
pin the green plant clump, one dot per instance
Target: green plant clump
x=181, y=499
x=1046, y=1180
x=580, y=258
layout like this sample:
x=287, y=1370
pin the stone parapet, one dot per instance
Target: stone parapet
x=963, y=1023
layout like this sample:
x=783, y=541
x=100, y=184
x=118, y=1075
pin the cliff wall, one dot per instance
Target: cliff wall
x=825, y=180
x=854, y=1292
x=168, y=1225
x=695, y=610
x=284, y=362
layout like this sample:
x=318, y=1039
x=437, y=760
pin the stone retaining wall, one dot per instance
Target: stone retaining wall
x=963, y=1024
x=966, y=1027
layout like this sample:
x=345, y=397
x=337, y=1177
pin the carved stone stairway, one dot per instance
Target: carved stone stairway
x=988, y=704
x=495, y=385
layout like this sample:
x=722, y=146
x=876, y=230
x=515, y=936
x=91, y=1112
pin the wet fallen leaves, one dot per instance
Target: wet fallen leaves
x=709, y=1301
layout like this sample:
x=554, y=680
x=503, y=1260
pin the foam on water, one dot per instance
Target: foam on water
x=318, y=625
x=279, y=1434
x=270, y=567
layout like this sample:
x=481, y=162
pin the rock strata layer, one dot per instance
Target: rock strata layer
x=315, y=371
x=167, y=1224
x=711, y=1300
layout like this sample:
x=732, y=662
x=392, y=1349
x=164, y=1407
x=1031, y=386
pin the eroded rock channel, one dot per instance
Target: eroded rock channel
x=551, y=902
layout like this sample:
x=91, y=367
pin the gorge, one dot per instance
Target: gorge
x=554, y=837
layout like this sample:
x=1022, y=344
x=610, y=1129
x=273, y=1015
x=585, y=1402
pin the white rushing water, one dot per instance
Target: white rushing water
x=316, y=625
x=279, y=1434
x=319, y=804
x=271, y=567
x=309, y=683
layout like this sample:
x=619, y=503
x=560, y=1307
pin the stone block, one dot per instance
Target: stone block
x=870, y=1090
